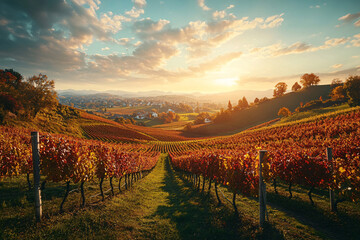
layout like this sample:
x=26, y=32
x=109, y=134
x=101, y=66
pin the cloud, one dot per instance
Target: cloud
x=148, y=56
x=105, y=48
x=135, y=12
x=201, y=37
x=139, y=3
x=219, y=14
x=230, y=6
x=356, y=40
x=124, y=41
x=147, y=64
x=351, y=17
x=316, y=6
x=113, y=23
x=216, y=63
x=148, y=26
x=278, y=49
x=202, y=5
x=336, y=66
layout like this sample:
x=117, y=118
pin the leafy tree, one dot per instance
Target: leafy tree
x=264, y=99
x=280, y=89
x=200, y=119
x=336, y=82
x=120, y=120
x=309, y=80
x=39, y=93
x=296, y=87
x=245, y=103
x=188, y=126
x=242, y=104
x=10, y=80
x=352, y=88
x=338, y=93
x=230, y=108
x=169, y=117
x=285, y=112
x=7, y=104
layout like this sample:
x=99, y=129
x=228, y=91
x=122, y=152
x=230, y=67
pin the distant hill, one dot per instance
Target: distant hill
x=222, y=98
x=234, y=96
x=263, y=112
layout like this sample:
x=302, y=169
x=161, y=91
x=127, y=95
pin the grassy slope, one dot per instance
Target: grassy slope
x=313, y=113
x=264, y=112
x=164, y=205
x=52, y=122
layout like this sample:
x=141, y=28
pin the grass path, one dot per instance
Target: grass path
x=165, y=206
x=159, y=206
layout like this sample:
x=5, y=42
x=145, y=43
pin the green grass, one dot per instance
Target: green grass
x=263, y=112
x=188, y=116
x=164, y=205
x=313, y=113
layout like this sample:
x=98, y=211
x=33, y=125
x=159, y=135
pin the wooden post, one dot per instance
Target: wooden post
x=36, y=168
x=262, y=190
x=331, y=192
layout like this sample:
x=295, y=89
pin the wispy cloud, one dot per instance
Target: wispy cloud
x=336, y=66
x=201, y=37
x=202, y=5
x=230, y=6
x=351, y=17
x=278, y=49
x=135, y=12
x=356, y=40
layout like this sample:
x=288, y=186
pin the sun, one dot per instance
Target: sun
x=227, y=82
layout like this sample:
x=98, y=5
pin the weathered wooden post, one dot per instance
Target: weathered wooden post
x=331, y=192
x=36, y=168
x=262, y=189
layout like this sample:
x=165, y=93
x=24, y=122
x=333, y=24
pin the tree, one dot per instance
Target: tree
x=230, y=108
x=245, y=103
x=336, y=82
x=7, y=104
x=285, y=112
x=188, y=126
x=338, y=93
x=200, y=119
x=352, y=88
x=309, y=79
x=39, y=93
x=280, y=89
x=296, y=87
x=256, y=100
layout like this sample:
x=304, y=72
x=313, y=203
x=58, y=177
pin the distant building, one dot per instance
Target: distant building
x=206, y=120
x=139, y=117
x=154, y=115
x=170, y=110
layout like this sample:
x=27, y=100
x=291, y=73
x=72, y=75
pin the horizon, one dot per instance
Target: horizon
x=216, y=47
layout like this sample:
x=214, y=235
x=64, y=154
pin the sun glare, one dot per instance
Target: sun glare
x=228, y=82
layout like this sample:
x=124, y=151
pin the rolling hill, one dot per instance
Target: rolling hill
x=263, y=112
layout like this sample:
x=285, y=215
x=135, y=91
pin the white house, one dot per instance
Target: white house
x=170, y=110
x=154, y=115
x=206, y=120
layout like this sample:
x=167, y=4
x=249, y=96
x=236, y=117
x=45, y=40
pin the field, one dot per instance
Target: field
x=196, y=184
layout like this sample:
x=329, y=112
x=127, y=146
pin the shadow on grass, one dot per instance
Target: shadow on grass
x=340, y=225
x=196, y=216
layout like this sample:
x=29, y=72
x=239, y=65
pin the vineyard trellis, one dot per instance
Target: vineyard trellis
x=296, y=154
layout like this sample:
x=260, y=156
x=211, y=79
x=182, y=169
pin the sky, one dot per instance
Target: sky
x=185, y=46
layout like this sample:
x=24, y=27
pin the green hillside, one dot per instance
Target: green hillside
x=264, y=111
